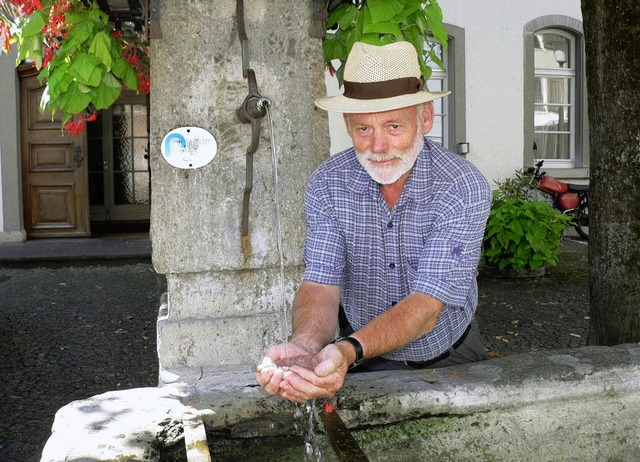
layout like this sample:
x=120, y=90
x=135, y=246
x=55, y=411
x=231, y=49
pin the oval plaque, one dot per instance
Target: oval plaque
x=188, y=147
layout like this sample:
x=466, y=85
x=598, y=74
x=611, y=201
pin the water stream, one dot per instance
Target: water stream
x=306, y=417
x=274, y=162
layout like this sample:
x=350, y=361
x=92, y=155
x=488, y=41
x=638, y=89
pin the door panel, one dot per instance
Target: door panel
x=54, y=173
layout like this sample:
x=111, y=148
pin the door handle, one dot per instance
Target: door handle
x=79, y=158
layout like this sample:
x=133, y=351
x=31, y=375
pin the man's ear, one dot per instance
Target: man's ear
x=426, y=115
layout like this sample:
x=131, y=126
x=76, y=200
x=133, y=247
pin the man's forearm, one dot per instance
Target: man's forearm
x=413, y=317
x=315, y=315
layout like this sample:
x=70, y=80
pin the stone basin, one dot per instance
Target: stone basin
x=572, y=404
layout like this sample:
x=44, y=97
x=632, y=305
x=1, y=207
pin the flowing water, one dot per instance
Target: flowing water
x=306, y=418
x=274, y=162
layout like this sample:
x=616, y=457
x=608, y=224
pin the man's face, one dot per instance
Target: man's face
x=388, y=143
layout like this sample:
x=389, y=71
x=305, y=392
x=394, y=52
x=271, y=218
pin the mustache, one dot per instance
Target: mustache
x=376, y=157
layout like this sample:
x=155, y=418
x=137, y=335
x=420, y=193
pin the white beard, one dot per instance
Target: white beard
x=389, y=174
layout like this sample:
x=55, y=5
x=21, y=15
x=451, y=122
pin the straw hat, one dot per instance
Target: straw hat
x=380, y=78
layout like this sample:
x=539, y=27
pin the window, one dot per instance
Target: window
x=555, y=119
x=449, y=128
x=439, y=82
x=554, y=104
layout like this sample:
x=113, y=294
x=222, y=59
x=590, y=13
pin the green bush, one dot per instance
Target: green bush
x=523, y=232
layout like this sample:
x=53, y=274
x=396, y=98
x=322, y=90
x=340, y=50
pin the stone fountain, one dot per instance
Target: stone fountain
x=224, y=299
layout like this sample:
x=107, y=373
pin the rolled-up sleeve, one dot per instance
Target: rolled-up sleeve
x=447, y=267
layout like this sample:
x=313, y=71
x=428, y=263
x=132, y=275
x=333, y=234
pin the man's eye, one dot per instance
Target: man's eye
x=394, y=126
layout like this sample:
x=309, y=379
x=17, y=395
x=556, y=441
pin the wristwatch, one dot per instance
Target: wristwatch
x=357, y=346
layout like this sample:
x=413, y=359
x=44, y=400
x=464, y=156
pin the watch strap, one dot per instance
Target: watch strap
x=357, y=346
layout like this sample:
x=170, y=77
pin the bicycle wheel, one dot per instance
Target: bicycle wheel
x=582, y=218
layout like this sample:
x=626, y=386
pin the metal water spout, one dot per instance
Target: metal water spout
x=254, y=105
x=252, y=110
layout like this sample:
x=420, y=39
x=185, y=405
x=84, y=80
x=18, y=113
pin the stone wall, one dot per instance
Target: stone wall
x=224, y=301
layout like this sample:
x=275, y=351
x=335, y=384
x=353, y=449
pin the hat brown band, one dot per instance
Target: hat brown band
x=386, y=89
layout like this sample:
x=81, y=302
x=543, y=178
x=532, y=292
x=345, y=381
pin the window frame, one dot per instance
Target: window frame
x=454, y=105
x=569, y=27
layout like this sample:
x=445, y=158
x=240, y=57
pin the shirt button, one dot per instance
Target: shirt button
x=390, y=225
x=392, y=265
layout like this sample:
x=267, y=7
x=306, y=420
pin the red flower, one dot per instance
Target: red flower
x=5, y=37
x=77, y=123
x=48, y=56
x=329, y=408
x=74, y=128
x=28, y=6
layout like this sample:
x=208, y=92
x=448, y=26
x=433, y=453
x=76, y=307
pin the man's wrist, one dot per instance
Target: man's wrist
x=356, y=347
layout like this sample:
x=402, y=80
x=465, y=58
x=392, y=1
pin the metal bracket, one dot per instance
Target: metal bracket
x=319, y=18
x=154, y=20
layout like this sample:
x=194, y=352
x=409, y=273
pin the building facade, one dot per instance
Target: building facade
x=516, y=71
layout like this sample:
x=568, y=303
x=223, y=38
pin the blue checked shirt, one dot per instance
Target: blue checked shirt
x=430, y=242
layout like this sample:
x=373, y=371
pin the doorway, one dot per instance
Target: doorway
x=97, y=183
x=119, y=168
x=54, y=170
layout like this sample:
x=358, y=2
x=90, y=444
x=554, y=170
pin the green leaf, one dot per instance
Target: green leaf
x=410, y=7
x=343, y=15
x=436, y=59
x=55, y=77
x=34, y=24
x=74, y=16
x=384, y=10
x=81, y=32
x=74, y=100
x=101, y=48
x=371, y=39
x=434, y=16
x=124, y=71
x=86, y=69
x=108, y=92
x=97, y=15
x=332, y=49
x=384, y=27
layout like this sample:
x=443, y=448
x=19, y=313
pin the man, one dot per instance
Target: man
x=394, y=231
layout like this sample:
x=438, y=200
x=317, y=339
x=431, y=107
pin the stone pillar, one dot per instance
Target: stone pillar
x=224, y=299
x=11, y=223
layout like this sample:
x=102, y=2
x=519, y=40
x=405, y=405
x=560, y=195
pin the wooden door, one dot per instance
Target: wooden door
x=54, y=170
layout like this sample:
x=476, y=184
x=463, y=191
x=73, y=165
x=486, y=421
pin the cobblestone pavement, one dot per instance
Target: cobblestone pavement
x=528, y=314
x=68, y=333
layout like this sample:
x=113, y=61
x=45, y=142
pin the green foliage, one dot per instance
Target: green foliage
x=380, y=22
x=89, y=68
x=84, y=62
x=522, y=186
x=523, y=233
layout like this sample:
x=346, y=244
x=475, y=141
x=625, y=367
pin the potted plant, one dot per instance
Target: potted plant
x=523, y=232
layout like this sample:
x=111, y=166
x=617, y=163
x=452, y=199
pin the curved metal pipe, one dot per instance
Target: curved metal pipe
x=252, y=110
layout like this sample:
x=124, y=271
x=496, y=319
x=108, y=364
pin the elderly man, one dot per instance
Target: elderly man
x=394, y=231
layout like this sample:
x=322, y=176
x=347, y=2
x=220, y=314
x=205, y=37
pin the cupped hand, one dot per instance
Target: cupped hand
x=269, y=373
x=300, y=384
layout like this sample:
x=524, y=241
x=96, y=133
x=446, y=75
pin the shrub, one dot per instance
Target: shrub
x=523, y=232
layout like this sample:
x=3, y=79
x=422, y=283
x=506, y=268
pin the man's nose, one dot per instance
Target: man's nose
x=379, y=143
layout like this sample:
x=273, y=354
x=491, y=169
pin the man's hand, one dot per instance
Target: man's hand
x=299, y=383
x=269, y=373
